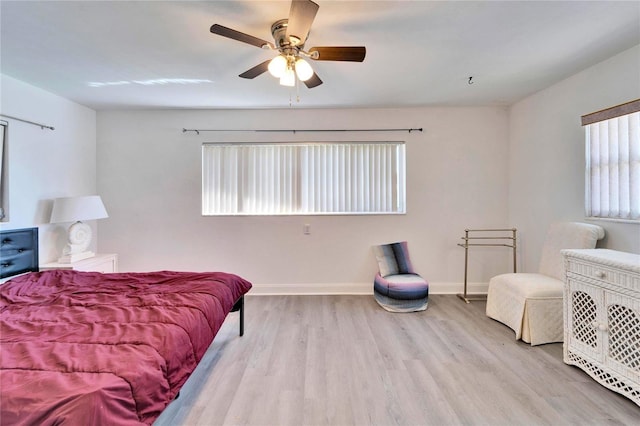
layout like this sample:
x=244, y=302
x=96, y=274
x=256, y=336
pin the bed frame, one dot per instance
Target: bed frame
x=239, y=306
x=18, y=251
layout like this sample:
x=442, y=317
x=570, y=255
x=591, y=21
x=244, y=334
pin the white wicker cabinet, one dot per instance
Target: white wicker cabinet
x=602, y=317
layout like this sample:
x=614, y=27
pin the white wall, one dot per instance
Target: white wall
x=471, y=167
x=546, y=153
x=45, y=164
x=149, y=177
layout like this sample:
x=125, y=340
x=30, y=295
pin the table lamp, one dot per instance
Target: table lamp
x=77, y=209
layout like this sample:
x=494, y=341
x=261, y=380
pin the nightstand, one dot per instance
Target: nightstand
x=99, y=263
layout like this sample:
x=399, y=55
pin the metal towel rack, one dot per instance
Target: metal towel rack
x=494, y=238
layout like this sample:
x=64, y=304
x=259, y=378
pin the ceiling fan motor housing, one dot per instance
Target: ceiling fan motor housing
x=279, y=33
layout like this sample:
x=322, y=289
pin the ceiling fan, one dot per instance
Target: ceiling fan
x=290, y=36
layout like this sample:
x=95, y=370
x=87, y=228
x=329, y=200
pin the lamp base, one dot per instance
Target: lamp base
x=70, y=258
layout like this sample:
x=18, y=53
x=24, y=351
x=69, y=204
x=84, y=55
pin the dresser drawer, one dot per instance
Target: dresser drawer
x=603, y=273
x=613, y=271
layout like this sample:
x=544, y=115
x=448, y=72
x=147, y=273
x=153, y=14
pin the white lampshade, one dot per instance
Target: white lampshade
x=278, y=66
x=288, y=78
x=72, y=209
x=303, y=69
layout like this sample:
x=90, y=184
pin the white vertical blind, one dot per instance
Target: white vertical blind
x=305, y=178
x=613, y=168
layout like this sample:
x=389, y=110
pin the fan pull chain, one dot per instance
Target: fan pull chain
x=297, y=93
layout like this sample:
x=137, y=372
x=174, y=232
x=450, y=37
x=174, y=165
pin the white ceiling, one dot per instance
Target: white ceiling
x=105, y=54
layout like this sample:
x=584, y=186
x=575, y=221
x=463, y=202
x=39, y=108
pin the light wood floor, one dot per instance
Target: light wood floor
x=342, y=360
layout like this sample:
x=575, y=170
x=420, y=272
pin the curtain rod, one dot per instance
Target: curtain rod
x=300, y=130
x=42, y=126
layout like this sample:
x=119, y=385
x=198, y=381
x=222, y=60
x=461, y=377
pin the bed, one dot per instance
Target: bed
x=90, y=348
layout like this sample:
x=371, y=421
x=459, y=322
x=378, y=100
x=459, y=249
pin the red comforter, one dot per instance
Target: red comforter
x=89, y=348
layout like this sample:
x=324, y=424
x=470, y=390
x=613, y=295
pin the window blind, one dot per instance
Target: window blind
x=613, y=167
x=303, y=178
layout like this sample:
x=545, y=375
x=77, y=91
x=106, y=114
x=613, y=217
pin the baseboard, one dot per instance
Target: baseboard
x=455, y=288
x=354, y=288
x=311, y=289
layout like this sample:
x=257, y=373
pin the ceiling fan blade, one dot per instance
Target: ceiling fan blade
x=256, y=71
x=237, y=35
x=313, y=81
x=301, y=16
x=340, y=53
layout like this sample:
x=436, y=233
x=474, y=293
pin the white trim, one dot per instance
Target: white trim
x=613, y=219
x=455, y=288
x=354, y=288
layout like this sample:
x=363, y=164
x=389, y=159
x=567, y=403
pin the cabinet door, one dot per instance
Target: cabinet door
x=623, y=337
x=585, y=318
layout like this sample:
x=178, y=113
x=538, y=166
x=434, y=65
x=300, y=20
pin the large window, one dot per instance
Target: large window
x=613, y=162
x=303, y=178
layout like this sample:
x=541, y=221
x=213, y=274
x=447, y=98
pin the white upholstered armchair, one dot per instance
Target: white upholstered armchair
x=531, y=303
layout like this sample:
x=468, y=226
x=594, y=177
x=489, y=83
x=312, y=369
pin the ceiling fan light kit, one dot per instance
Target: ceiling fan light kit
x=303, y=69
x=288, y=78
x=277, y=66
x=290, y=35
x=283, y=68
